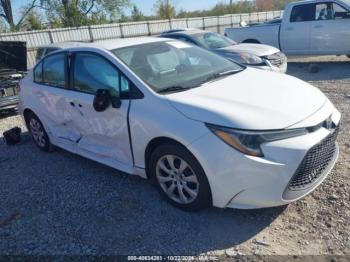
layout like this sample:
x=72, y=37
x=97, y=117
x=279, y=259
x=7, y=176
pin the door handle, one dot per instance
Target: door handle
x=318, y=26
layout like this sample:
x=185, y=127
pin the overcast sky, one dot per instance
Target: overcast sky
x=146, y=6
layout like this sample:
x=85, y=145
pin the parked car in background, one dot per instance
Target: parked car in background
x=13, y=65
x=43, y=51
x=254, y=55
x=312, y=27
x=205, y=130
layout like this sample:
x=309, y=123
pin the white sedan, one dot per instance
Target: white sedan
x=205, y=130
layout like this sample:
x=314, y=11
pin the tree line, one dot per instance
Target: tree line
x=43, y=14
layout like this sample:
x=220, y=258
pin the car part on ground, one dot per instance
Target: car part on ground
x=12, y=136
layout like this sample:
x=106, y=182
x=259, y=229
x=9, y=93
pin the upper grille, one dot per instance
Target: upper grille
x=315, y=162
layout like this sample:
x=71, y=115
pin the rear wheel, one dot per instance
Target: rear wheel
x=38, y=133
x=179, y=177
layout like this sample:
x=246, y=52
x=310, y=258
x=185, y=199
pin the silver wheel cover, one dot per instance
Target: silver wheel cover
x=37, y=132
x=177, y=179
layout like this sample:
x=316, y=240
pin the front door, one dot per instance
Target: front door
x=102, y=134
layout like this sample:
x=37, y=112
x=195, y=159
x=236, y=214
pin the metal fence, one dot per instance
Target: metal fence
x=94, y=33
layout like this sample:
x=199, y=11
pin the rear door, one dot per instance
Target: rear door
x=102, y=134
x=330, y=32
x=341, y=32
x=321, y=35
x=50, y=102
x=295, y=32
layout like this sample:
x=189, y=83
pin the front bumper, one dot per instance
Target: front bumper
x=246, y=182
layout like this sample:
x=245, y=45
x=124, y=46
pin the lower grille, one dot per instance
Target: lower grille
x=315, y=162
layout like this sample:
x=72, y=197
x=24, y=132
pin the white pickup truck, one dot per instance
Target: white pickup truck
x=312, y=27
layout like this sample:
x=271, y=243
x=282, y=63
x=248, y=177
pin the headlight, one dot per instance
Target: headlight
x=251, y=59
x=249, y=142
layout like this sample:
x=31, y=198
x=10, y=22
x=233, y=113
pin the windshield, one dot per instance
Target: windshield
x=213, y=40
x=170, y=64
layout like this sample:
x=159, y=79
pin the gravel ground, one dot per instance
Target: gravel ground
x=60, y=203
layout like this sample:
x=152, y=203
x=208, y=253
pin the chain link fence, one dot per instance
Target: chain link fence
x=35, y=39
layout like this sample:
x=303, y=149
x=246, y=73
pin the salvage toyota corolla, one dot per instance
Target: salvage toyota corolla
x=205, y=130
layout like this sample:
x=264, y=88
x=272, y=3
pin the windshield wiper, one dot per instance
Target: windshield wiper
x=219, y=75
x=173, y=89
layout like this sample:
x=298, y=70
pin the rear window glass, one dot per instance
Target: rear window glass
x=303, y=13
x=53, y=70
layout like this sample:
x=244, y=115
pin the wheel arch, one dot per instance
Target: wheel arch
x=26, y=113
x=153, y=144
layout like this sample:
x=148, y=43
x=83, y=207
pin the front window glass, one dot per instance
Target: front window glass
x=92, y=72
x=53, y=70
x=173, y=64
x=213, y=40
x=302, y=13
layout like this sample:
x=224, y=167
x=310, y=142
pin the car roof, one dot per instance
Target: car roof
x=125, y=42
x=313, y=2
x=108, y=44
x=62, y=45
x=185, y=31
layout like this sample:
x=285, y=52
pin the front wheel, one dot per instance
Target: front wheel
x=180, y=178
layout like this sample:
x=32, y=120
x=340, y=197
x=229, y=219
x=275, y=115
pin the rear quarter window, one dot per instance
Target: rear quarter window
x=38, y=73
x=39, y=54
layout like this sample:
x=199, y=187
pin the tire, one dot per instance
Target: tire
x=38, y=133
x=348, y=56
x=187, y=189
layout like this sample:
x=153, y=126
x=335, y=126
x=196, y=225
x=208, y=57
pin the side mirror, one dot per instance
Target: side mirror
x=102, y=100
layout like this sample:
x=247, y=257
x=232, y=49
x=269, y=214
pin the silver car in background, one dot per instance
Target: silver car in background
x=254, y=55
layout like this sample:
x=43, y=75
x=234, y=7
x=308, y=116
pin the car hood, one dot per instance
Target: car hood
x=252, y=99
x=256, y=49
